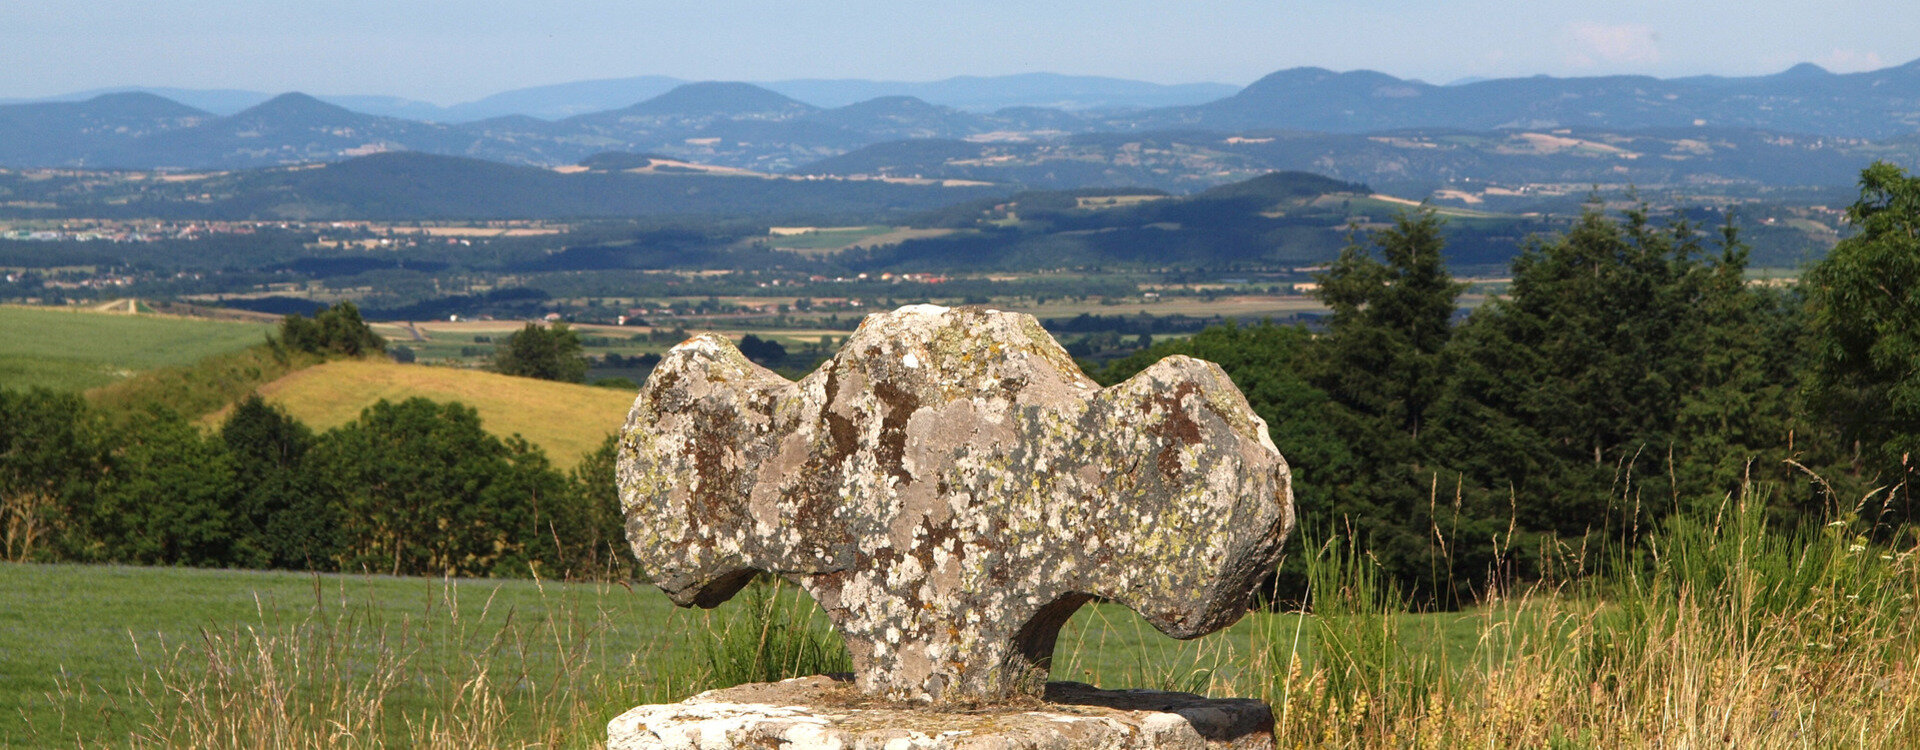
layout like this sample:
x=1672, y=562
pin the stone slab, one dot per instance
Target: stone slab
x=830, y=713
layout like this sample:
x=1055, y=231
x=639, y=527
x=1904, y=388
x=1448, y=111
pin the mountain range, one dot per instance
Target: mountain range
x=562, y=100
x=1354, y=125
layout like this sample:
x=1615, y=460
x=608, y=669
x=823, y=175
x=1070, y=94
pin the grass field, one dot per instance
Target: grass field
x=566, y=419
x=99, y=630
x=77, y=350
x=829, y=240
x=72, y=634
x=1736, y=636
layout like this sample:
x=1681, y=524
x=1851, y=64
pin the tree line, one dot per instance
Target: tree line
x=409, y=488
x=1630, y=372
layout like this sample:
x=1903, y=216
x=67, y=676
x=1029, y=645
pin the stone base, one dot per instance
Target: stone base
x=827, y=713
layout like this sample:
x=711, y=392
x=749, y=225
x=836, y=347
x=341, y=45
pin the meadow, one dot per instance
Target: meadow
x=1721, y=632
x=90, y=650
x=75, y=350
x=568, y=420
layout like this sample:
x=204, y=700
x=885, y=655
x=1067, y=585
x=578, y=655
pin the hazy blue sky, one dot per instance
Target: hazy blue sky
x=446, y=52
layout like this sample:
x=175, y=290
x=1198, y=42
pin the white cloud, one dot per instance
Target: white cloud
x=1597, y=43
x=1850, y=61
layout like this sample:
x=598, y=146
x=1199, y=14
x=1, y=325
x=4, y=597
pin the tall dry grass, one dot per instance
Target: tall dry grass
x=1723, y=632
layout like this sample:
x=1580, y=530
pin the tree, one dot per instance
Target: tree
x=765, y=352
x=52, y=456
x=1620, y=379
x=602, y=542
x=278, y=519
x=333, y=330
x=548, y=353
x=1392, y=317
x=422, y=489
x=1380, y=364
x=167, y=499
x=1864, y=303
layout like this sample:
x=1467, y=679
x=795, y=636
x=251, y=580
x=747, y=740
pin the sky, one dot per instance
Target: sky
x=448, y=52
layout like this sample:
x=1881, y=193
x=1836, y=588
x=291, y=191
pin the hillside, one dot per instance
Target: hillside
x=68, y=349
x=566, y=419
x=1276, y=220
x=409, y=185
x=287, y=129
x=1804, y=99
x=1404, y=162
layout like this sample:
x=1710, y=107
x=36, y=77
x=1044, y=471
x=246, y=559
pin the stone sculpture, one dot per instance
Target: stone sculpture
x=950, y=488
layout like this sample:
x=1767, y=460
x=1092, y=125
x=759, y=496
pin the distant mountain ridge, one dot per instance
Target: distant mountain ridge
x=1802, y=99
x=747, y=126
x=563, y=100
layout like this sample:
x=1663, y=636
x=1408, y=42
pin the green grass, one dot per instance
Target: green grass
x=69, y=631
x=1726, y=633
x=101, y=630
x=77, y=350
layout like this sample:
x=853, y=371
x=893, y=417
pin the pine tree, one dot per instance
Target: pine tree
x=1380, y=363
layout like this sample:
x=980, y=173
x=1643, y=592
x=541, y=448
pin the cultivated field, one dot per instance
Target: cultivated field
x=566, y=419
x=76, y=350
x=810, y=241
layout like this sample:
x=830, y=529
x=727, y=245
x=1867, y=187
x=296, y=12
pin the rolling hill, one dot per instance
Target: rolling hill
x=69, y=349
x=566, y=419
x=87, y=133
x=1277, y=220
x=411, y=185
x=1804, y=99
x=1404, y=162
x=287, y=129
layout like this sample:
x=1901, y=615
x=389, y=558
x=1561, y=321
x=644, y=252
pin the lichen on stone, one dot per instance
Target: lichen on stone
x=950, y=488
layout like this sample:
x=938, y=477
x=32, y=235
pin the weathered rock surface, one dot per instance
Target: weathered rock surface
x=950, y=488
x=818, y=713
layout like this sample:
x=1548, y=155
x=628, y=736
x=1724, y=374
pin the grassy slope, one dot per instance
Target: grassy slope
x=78, y=350
x=566, y=419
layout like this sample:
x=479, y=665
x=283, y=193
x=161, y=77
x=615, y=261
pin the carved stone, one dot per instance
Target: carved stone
x=950, y=488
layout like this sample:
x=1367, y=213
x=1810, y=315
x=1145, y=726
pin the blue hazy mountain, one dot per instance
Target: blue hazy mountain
x=1804, y=99
x=990, y=93
x=761, y=127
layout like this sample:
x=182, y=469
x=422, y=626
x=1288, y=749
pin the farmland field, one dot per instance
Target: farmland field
x=828, y=240
x=566, y=419
x=76, y=350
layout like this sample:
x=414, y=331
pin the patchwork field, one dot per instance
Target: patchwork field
x=566, y=419
x=75, y=350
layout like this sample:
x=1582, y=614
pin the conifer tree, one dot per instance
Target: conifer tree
x=1380, y=365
